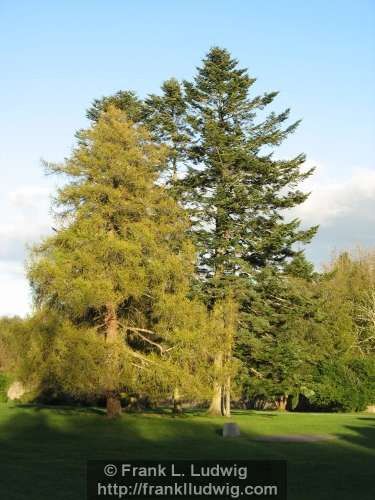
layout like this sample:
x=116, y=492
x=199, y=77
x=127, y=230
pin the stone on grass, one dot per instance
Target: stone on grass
x=231, y=429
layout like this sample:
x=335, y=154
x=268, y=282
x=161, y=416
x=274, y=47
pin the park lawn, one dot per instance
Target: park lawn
x=43, y=451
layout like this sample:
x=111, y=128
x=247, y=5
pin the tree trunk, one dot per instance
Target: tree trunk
x=113, y=402
x=281, y=403
x=226, y=398
x=215, y=408
x=177, y=408
x=111, y=323
x=174, y=170
x=114, y=409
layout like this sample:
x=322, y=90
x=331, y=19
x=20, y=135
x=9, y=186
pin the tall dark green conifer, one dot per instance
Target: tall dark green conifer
x=237, y=191
x=165, y=116
x=124, y=100
x=283, y=323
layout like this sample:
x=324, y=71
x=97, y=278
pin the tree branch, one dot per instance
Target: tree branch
x=138, y=331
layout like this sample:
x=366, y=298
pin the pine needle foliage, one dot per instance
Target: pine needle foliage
x=120, y=261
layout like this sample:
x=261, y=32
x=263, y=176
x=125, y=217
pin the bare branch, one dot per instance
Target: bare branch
x=161, y=349
x=138, y=331
x=258, y=374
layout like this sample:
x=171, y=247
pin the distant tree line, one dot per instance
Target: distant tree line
x=175, y=271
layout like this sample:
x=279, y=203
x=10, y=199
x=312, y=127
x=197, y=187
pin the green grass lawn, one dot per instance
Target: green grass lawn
x=43, y=451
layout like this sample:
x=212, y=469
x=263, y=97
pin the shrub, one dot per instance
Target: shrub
x=344, y=385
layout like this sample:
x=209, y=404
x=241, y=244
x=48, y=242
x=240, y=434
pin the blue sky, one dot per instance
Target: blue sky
x=58, y=56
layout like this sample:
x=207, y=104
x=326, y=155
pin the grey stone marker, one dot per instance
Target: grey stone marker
x=231, y=430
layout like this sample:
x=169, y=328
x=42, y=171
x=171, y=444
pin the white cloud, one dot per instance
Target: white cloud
x=15, y=297
x=332, y=200
x=25, y=219
x=29, y=197
x=344, y=209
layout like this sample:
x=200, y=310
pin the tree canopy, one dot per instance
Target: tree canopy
x=175, y=270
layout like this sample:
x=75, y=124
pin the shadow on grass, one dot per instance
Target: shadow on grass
x=363, y=436
x=62, y=410
x=43, y=451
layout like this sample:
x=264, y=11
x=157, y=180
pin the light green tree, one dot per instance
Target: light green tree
x=118, y=264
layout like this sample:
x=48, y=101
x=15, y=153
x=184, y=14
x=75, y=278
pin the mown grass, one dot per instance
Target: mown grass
x=43, y=451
